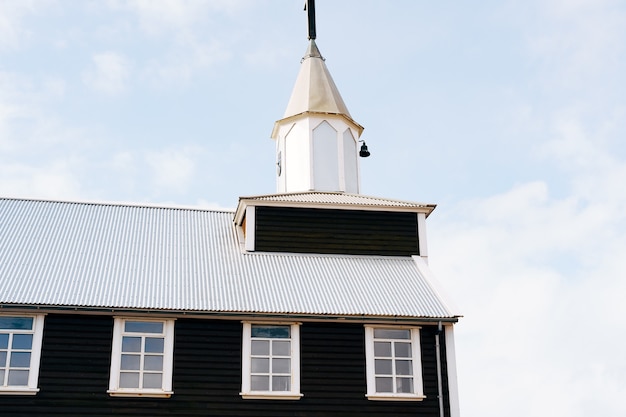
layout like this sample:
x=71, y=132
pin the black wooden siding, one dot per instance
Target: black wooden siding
x=354, y=232
x=207, y=374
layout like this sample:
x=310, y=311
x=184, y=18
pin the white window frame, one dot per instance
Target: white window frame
x=418, y=386
x=35, y=356
x=246, y=364
x=116, y=355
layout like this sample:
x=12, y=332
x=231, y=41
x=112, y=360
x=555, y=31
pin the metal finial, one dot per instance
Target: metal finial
x=309, y=6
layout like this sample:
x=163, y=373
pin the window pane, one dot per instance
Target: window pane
x=130, y=362
x=16, y=323
x=153, y=363
x=382, y=349
x=4, y=341
x=154, y=344
x=131, y=344
x=281, y=366
x=3, y=362
x=274, y=332
x=18, y=377
x=404, y=385
x=152, y=381
x=260, y=365
x=260, y=383
x=20, y=360
x=1, y=376
x=281, y=348
x=392, y=334
x=281, y=383
x=384, y=385
x=260, y=347
x=22, y=341
x=143, y=327
x=403, y=350
x=129, y=380
x=404, y=367
x=383, y=366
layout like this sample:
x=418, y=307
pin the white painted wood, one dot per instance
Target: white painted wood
x=325, y=158
x=296, y=158
x=168, y=360
x=453, y=385
x=421, y=235
x=317, y=153
x=33, y=375
x=349, y=157
x=418, y=384
x=246, y=365
x=250, y=228
x=35, y=357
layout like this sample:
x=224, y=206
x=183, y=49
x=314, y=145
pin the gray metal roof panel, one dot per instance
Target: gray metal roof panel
x=139, y=257
x=336, y=198
x=330, y=200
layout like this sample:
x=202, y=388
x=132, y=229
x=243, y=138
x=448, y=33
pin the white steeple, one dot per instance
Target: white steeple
x=316, y=140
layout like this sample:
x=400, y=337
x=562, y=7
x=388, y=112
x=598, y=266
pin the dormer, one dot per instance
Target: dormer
x=332, y=223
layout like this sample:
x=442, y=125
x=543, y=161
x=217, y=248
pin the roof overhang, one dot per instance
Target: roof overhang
x=294, y=118
x=222, y=315
x=329, y=200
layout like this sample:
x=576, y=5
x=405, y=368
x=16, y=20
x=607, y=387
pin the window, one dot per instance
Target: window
x=141, y=361
x=20, y=351
x=271, y=361
x=393, y=363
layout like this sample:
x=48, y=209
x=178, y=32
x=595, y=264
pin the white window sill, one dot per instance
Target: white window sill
x=270, y=396
x=395, y=397
x=18, y=391
x=140, y=393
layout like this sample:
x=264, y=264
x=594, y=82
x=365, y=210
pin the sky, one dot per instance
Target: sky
x=510, y=115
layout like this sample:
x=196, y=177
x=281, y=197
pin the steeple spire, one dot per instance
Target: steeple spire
x=316, y=140
x=315, y=91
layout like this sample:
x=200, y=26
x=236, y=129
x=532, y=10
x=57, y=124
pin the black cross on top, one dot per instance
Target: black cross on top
x=309, y=6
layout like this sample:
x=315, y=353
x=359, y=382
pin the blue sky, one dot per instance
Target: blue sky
x=510, y=115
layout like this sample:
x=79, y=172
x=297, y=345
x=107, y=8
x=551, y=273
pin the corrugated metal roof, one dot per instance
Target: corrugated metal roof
x=138, y=257
x=314, y=197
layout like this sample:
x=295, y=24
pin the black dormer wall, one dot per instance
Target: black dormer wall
x=350, y=232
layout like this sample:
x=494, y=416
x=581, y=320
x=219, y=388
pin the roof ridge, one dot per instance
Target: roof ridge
x=339, y=193
x=170, y=206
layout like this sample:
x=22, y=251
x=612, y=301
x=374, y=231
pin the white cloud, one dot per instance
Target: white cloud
x=55, y=180
x=160, y=16
x=267, y=56
x=8, y=112
x=539, y=276
x=172, y=169
x=189, y=58
x=12, y=32
x=23, y=120
x=110, y=75
x=578, y=41
x=542, y=291
x=210, y=205
x=192, y=35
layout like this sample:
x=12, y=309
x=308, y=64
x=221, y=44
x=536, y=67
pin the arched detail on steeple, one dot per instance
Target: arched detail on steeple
x=325, y=159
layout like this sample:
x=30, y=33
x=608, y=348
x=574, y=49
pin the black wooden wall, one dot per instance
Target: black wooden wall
x=354, y=232
x=75, y=361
